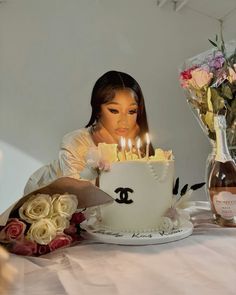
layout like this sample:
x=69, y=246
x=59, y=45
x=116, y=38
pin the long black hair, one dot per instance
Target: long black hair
x=104, y=91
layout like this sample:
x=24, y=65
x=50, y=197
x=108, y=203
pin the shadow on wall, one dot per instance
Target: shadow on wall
x=15, y=169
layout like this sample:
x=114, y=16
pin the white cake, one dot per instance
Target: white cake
x=142, y=192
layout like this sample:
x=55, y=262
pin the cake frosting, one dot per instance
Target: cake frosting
x=142, y=193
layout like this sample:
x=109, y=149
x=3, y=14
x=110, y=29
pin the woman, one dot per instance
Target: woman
x=118, y=109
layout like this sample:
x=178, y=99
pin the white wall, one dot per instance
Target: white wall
x=52, y=52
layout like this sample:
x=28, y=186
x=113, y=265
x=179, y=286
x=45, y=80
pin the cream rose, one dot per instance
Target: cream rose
x=42, y=231
x=60, y=223
x=35, y=208
x=64, y=205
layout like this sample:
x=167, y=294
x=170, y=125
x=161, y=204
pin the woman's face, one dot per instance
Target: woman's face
x=119, y=115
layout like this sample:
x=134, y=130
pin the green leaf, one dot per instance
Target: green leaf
x=216, y=38
x=222, y=47
x=213, y=43
x=226, y=91
x=233, y=108
x=194, y=103
x=217, y=101
x=208, y=120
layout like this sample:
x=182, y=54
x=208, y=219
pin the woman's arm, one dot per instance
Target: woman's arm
x=73, y=153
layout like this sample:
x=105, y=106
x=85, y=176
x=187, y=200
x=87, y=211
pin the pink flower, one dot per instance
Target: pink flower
x=200, y=78
x=77, y=218
x=24, y=247
x=14, y=230
x=60, y=241
x=42, y=249
x=186, y=75
x=172, y=214
x=104, y=165
x=217, y=61
x=70, y=230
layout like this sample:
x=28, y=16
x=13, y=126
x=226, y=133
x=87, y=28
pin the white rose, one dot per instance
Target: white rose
x=64, y=205
x=42, y=231
x=35, y=208
x=93, y=215
x=60, y=223
x=166, y=224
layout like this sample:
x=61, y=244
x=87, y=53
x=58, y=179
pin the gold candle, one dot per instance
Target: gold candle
x=130, y=148
x=138, y=145
x=147, y=145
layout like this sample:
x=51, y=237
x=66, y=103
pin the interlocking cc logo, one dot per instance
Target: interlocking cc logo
x=124, y=195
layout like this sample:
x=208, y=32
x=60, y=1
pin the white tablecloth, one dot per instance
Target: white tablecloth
x=203, y=263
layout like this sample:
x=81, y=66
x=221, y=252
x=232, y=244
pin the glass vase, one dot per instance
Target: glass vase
x=209, y=164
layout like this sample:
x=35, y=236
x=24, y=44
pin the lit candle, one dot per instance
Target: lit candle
x=147, y=145
x=123, y=145
x=130, y=148
x=138, y=145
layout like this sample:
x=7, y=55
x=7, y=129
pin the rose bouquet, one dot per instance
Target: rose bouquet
x=209, y=80
x=42, y=224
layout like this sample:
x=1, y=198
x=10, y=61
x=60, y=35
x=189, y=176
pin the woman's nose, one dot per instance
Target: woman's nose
x=123, y=119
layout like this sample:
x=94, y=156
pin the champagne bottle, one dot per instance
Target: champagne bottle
x=222, y=179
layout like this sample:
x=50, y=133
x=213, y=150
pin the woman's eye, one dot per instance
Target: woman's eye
x=131, y=112
x=113, y=111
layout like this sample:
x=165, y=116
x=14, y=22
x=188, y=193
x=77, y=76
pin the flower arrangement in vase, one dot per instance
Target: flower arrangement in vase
x=209, y=81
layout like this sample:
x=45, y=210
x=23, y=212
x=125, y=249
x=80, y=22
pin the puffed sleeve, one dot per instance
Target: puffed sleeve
x=72, y=155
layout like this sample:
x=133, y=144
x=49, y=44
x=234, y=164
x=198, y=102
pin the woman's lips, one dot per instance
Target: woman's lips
x=121, y=131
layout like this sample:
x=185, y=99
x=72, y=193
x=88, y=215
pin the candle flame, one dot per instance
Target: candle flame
x=122, y=143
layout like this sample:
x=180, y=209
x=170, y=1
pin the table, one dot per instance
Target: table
x=203, y=263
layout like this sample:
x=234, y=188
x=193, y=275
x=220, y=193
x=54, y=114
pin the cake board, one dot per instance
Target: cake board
x=103, y=235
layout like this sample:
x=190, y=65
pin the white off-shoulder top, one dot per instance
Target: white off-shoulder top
x=71, y=161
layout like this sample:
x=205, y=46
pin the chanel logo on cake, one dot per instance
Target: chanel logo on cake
x=124, y=195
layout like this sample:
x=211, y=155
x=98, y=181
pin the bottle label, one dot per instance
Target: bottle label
x=225, y=204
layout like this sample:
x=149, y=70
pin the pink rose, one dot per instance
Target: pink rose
x=24, y=247
x=200, y=78
x=77, y=218
x=172, y=214
x=13, y=230
x=42, y=249
x=70, y=230
x=60, y=241
x=104, y=165
x=186, y=75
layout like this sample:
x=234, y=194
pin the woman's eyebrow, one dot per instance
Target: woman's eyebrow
x=116, y=103
x=112, y=102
